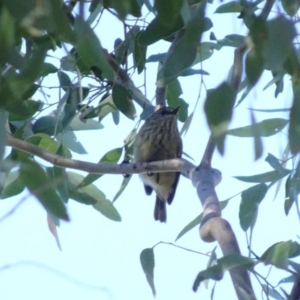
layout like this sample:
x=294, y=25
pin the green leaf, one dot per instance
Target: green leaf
x=64, y=80
x=31, y=108
x=95, y=9
x=156, y=57
x=91, y=195
x=264, y=128
x=187, y=124
x=89, y=124
x=13, y=185
x=47, y=69
x=254, y=66
x=251, y=199
x=279, y=253
x=124, y=184
x=281, y=33
x=190, y=71
x=44, y=141
x=292, y=190
x=290, y=6
x=184, y=52
x=289, y=195
x=58, y=177
x=45, y=124
x=271, y=292
x=81, y=195
x=38, y=183
x=218, y=109
x=122, y=99
x=274, y=162
x=294, y=128
x=7, y=36
x=229, y=7
x=232, y=40
x=264, y=177
x=111, y=157
x=104, y=108
x=69, y=140
x=197, y=221
x=148, y=264
x=167, y=22
x=278, y=80
x=89, y=48
x=124, y=7
x=271, y=110
x=223, y=264
x=3, y=133
x=173, y=92
x=139, y=54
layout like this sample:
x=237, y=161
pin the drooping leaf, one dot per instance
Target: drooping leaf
x=123, y=186
x=229, y=7
x=111, y=157
x=251, y=199
x=139, y=54
x=264, y=128
x=232, y=40
x=281, y=33
x=279, y=253
x=122, y=99
x=38, y=183
x=270, y=291
x=190, y=71
x=64, y=80
x=264, y=177
x=290, y=6
x=105, y=107
x=197, y=221
x=184, y=52
x=89, y=124
x=31, y=106
x=294, y=128
x=218, y=109
x=59, y=179
x=173, y=93
x=69, y=140
x=274, y=162
x=156, y=57
x=47, y=125
x=91, y=195
x=223, y=264
x=289, y=195
x=47, y=69
x=3, y=121
x=53, y=229
x=167, y=22
x=89, y=48
x=148, y=264
x=124, y=7
x=187, y=124
x=254, y=66
x=44, y=141
x=13, y=185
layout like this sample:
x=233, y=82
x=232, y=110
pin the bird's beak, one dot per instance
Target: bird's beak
x=175, y=110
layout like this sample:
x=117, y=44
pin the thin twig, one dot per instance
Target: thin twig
x=183, y=248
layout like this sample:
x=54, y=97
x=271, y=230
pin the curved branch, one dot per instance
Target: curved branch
x=171, y=165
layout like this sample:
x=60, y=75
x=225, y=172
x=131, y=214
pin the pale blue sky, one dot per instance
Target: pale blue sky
x=105, y=254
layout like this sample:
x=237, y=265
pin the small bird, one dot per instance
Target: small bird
x=159, y=139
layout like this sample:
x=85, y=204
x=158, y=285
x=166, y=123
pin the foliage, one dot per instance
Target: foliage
x=95, y=83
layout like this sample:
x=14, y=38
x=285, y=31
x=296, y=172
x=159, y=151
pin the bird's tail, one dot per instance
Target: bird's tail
x=160, y=212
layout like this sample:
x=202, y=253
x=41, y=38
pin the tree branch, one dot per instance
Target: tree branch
x=171, y=165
